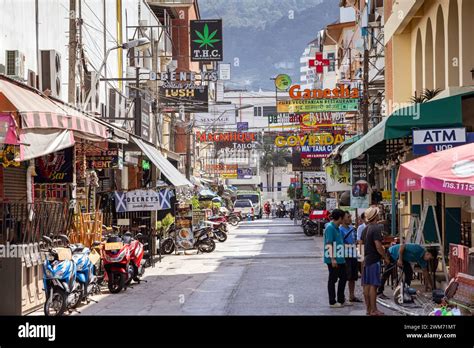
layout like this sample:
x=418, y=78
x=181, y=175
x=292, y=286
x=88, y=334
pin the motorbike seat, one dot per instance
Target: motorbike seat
x=77, y=248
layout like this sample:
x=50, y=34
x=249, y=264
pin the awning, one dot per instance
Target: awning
x=437, y=113
x=39, y=142
x=38, y=111
x=166, y=168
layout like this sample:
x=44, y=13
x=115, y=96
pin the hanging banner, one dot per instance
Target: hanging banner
x=7, y=130
x=317, y=105
x=218, y=115
x=55, y=168
x=224, y=71
x=360, y=196
x=312, y=178
x=331, y=204
x=142, y=200
x=300, y=164
x=246, y=173
x=337, y=178
x=206, y=40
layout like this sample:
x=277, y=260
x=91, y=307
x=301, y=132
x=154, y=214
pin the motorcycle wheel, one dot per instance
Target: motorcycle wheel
x=57, y=302
x=221, y=236
x=116, y=282
x=308, y=231
x=207, y=246
x=233, y=221
x=167, y=247
x=77, y=301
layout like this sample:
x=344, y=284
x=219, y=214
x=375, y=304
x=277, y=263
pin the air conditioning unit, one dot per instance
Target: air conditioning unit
x=92, y=83
x=50, y=73
x=15, y=64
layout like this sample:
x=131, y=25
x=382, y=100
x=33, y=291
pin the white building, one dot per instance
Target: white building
x=308, y=77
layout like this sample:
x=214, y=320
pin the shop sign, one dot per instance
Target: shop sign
x=184, y=225
x=184, y=76
x=300, y=164
x=337, y=178
x=240, y=137
x=342, y=92
x=360, y=196
x=283, y=82
x=321, y=120
x=242, y=126
x=55, y=168
x=331, y=204
x=193, y=97
x=229, y=176
x=218, y=115
x=142, y=200
x=101, y=159
x=224, y=71
x=206, y=40
x=309, y=140
x=245, y=173
x=318, y=105
x=131, y=157
x=312, y=178
x=222, y=168
x=433, y=140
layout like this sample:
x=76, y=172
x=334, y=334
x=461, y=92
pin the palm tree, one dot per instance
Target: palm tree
x=273, y=157
x=426, y=95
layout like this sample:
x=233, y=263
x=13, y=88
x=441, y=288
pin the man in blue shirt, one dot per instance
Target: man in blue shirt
x=349, y=237
x=334, y=258
x=404, y=255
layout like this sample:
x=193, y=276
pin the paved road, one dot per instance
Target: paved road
x=266, y=267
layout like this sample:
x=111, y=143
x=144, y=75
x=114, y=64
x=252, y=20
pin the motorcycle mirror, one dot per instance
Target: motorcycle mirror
x=47, y=240
x=63, y=238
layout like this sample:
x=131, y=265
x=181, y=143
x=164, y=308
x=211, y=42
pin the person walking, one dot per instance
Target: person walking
x=373, y=253
x=362, y=225
x=335, y=261
x=274, y=207
x=349, y=237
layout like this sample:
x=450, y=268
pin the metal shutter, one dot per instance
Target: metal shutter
x=14, y=183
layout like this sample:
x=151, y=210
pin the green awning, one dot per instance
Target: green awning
x=439, y=113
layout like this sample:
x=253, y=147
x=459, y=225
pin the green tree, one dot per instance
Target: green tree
x=273, y=157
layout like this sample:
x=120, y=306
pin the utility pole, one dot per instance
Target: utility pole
x=137, y=101
x=188, y=146
x=365, y=103
x=72, y=52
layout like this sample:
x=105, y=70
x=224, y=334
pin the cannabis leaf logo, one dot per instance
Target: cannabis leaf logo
x=205, y=39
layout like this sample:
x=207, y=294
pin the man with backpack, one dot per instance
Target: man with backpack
x=349, y=237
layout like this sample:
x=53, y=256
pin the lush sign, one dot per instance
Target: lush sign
x=206, y=40
x=433, y=140
x=184, y=94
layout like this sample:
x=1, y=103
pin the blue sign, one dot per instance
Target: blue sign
x=242, y=126
x=426, y=141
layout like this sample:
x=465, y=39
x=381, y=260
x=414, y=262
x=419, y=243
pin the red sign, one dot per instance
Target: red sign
x=319, y=62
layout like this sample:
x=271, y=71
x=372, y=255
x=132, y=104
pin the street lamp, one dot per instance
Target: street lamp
x=141, y=43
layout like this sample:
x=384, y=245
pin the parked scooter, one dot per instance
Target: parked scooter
x=63, y=290
x=202, y=241
x=85, y=271
x=123, y=261
x=219, y=230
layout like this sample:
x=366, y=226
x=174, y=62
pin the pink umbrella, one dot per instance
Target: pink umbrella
x=449, y=171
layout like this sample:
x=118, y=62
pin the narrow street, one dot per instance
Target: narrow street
x=266, y=267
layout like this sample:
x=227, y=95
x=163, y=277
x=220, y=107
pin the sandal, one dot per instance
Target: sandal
x=377, y=314
x=355, y=299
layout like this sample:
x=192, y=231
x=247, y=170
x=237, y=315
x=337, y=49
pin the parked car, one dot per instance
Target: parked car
x=245, y=207
x=256, y=199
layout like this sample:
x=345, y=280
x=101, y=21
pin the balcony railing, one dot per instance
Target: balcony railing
x=170, y=3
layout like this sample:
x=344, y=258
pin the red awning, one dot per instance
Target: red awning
x=38, y=111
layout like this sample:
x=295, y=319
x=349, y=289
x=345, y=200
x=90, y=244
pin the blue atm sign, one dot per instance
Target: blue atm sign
x=433, y=140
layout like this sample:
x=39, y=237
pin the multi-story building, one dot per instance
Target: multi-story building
x=308, y=77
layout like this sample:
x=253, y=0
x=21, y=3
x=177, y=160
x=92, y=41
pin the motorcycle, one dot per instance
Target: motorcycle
x=85, y=271
x=63, y=291
x=312, y=227
x=281, y=212
x=202, y=240
x=219, y=230
x=123, y=261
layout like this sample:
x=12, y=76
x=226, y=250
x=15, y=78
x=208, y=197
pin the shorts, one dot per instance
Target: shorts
x=371, y=275
x=352, y=268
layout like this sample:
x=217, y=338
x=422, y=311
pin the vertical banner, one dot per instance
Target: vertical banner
x=360, y=196
x=206, y=40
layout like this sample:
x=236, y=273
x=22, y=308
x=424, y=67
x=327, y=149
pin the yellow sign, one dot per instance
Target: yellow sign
x=229, y=176
x=309, y=140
